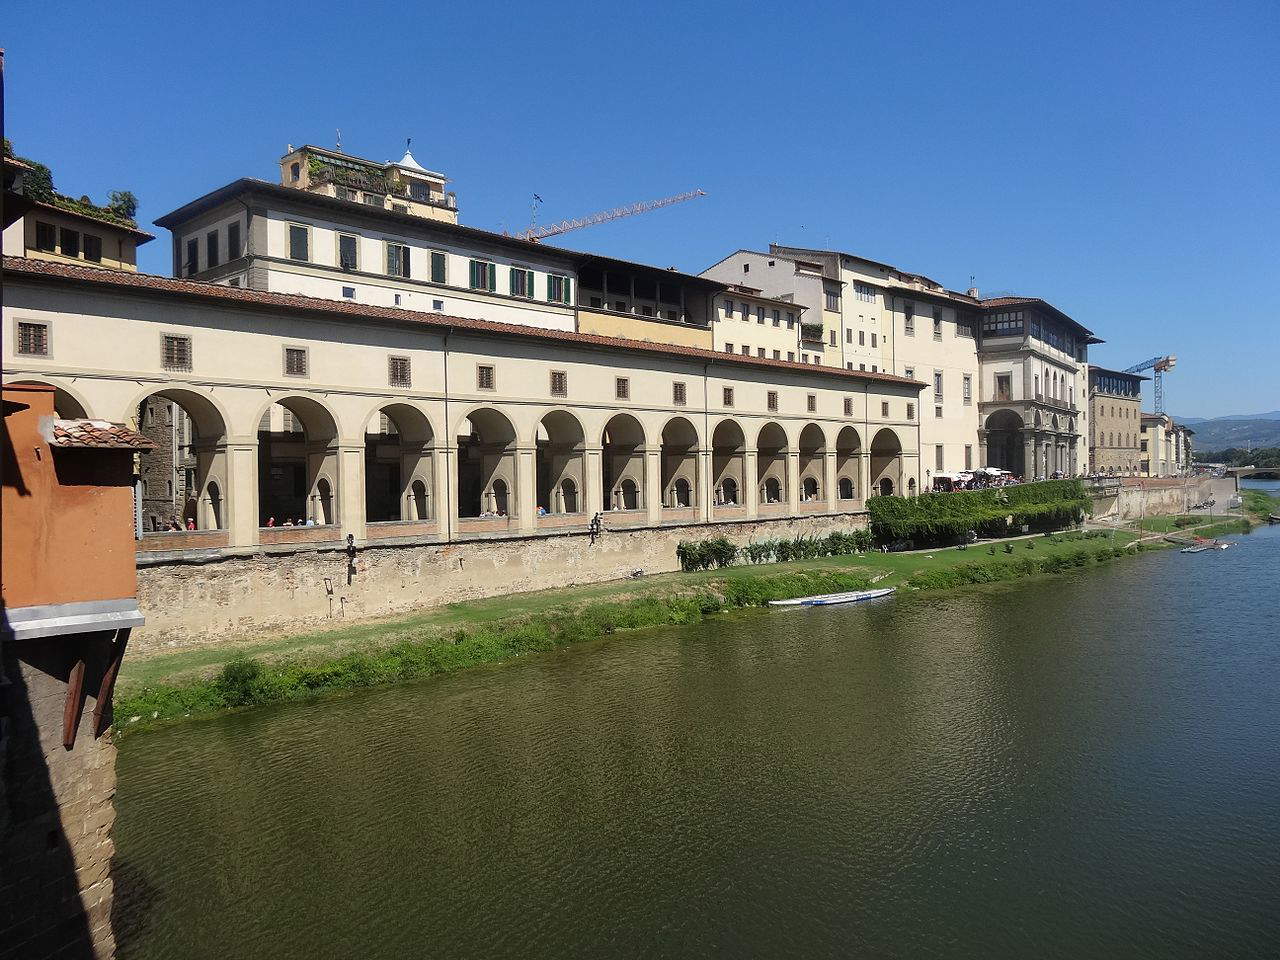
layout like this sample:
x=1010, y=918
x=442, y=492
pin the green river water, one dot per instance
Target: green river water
x=1078, y=767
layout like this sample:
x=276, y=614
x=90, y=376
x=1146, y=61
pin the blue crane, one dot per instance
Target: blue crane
x=1160, y=365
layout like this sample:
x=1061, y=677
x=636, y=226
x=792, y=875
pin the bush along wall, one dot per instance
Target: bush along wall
x=719, y=552
x=937, y=519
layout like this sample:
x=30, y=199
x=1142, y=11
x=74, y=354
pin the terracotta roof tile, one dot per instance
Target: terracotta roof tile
x=98, y=434
x=197, y=289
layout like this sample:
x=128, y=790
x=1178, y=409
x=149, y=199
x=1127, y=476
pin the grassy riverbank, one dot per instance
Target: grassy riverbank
x=1260, y=504
x=216, y=677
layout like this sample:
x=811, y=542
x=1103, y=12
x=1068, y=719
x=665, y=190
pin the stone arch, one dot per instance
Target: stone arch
x=886, y=461
x=297, y=449
x=487, y=483
x=680, y=450
x=812, y=444
x=771, y=464
x=1005, y=432
x=399, y=447
x=560, y=442
x=188, y=431
x=848, y=463
x=622, y=463
x=68, y=403
x=728, y=462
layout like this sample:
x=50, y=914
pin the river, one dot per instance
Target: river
x=1080, y=767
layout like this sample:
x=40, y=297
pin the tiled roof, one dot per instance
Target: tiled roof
x=98, y=434
x=144, y=282
x=70, y=211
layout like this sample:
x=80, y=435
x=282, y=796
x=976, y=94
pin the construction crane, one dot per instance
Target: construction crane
x=564, y=226
x=1160, y=365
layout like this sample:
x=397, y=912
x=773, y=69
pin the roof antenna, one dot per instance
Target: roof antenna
x=339, y=146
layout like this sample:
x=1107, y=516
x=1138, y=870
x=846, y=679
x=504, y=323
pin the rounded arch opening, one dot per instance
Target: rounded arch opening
x=622, y=462
x=182, y=477
x=848, y=457
x=486, y=464
x=297, y=461
x=771, y=464
x=398, y=464
x=1005, y=442
x=728, y=462
x=886, y=462
x=559, y=462
x=66, y=405
x=679, y=462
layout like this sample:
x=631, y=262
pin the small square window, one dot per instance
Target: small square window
x=176, y=352
x=811, y=403
x=349, y=292
x=777, y=354
x=33, y=339
x=760, y=352
x=937, y=412
x=848, y=406
x=398, y=372
x=559, y=383
x=485, y=379
x=622, y=388
x=299, y=242
x=678, y=394
x=437, y=305
x=746, y=350
x=92, y=248
x=911, y=411
x=70, y=242
x=728, y=396
x=884, y=408
x=295, y=361
x=771, y=400
x=46, y=237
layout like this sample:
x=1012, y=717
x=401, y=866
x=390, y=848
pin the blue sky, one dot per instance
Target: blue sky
x=1119, y=160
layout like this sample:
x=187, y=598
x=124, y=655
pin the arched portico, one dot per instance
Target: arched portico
x=1005, y=435
x=68, y=404
x=622, y=463
x=487, y=481
x=771, y=469
x=728, y=465
x=886, y=462
x=848, y=466
x=559, y=466
x=812, y=467
x=399, y=472
x=297, y=464
x=182, y=480
x=680, y=449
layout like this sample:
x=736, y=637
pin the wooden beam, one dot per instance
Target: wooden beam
x=108, y=687
x=71, y=710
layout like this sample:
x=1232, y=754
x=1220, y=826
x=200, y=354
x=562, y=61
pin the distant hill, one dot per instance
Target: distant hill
x=1227, y=432
x=1192, y=421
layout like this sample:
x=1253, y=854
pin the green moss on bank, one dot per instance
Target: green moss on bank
x=1260, y=504
x=996, y=571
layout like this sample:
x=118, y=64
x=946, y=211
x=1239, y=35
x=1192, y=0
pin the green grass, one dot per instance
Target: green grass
x=1260, y=504
x=215, y=677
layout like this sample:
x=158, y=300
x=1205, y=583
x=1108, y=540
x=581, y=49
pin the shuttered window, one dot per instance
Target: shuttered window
x=299, y=242
x=397, y=260
x=212, y=255
x=46, y=237
x=558, y=288
x=193, y=258
x=848, y=406
x=176, y=352
x=521, y=282
x=233, y=241
x=437, y=267
x=398, y=372
x=92, y=248
x=483, y=275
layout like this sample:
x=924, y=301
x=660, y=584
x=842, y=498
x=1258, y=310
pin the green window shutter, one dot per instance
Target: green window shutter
x=568, y=297
x=511, y=281
x=473, y=275
x=437, y=267
x=528, y=286
x=404, y=263
x=493, y=277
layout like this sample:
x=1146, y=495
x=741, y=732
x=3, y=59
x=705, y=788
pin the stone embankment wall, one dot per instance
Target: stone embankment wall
x=56, y=805
x=189, y=604
x=1153, y=497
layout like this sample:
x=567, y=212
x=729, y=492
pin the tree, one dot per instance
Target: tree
x=123, y=203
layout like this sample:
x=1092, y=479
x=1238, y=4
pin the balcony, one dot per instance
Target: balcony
x=368, y=182
x=811, y=333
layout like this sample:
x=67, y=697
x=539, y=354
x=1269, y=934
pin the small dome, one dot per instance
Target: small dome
x=408, y=162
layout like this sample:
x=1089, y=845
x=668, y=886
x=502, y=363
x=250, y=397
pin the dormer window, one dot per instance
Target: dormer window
x=295, y=172
x=420, y=191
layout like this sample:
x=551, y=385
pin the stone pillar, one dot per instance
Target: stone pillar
x=793, y=482
x=864, y=476
x=526, y=492
x=350, y=494
x=447, y=511
x=829, y=480
x=653, y=484
x=241, y=495
x=982, y=449
x=1030, y=455
x=593, y=493
x=751, y=482
x=704, y=492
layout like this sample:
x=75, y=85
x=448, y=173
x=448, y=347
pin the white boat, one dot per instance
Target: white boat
x=830, y=599
x=1221, y=546
x=1196, y=549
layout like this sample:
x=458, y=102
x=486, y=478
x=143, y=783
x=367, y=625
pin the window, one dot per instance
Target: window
x=295, y=361
x=911, y=411
x=1004, y=387
x=295, y=171
x=862, y=338
x=771, y=400
x=233, y=241
x=397, y=260
x=483, y=275
x=966, y=389
x=760, y=352
x=349, y=251
x=759, y=314
x=848, y=335
x=884, y=408
x=874, y=368
x=777, y=354
x=873, y=339
x=420, y=191
x=811, y=403
x=728, y=348
x=728, y=309
x=909, y=319
x=937, y=456
x=746, y=350
x=485, y=380
x=678, y=394
x=937, y=323
x=622, y=388
x=791, y=356
x=373, y=199
x=211, y=248
x=70, y=242
x=728, y=396
x=92, y=248
x=193, y=258
x=398, y=372
x=777, y=318
x=832, y=335
x=559, y=383
x=349, y=292
x=1007, y=324
x=299, y=242
x=46, y=237
x=848, y=406
x=865, y=292
x=791, y=320
x=33, y=339
x=937, y=413
x=909, y=373
x=558, y=288
x=521, y=284
x=862, y=367
x=235, y=282
x=438, y=261
x=833, y=300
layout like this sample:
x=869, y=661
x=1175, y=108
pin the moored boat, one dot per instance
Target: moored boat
x=831, y=599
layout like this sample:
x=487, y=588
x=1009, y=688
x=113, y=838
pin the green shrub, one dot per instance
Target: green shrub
x=941, y=518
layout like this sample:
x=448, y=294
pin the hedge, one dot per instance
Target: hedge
x=941, y=518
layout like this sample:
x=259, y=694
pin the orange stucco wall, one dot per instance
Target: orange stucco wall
x=68, y=533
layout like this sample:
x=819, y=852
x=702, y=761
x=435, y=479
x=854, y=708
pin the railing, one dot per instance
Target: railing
x=160, y=541
x=391, y=529
x=484, y=524
x=318, y=533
